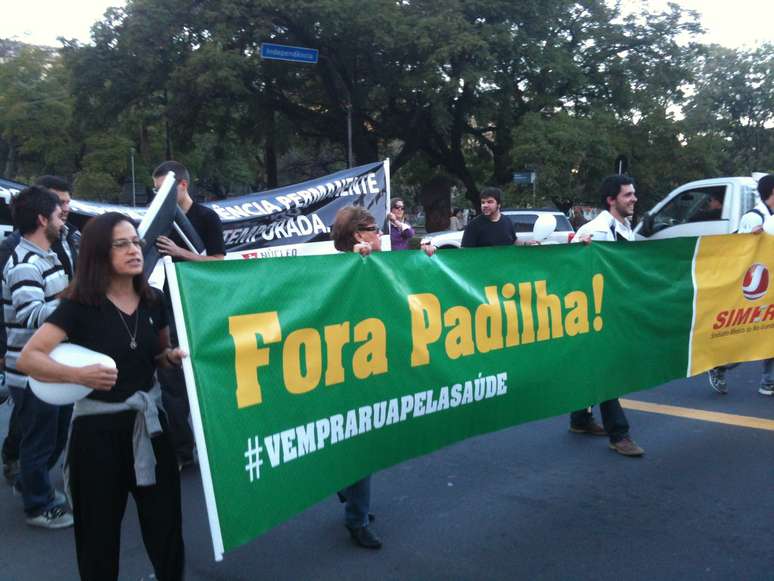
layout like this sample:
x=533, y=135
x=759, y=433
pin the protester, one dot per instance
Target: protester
x=491, y=227
x=66, y=249
x=455, y=222
x=752, y=222
x=611, y=225
x=33, y=277
x=400, y=230
x=119, y=441
x=354, y=229
x=210, y=229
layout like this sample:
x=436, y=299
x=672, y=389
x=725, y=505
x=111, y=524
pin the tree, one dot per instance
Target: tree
x=35, y=113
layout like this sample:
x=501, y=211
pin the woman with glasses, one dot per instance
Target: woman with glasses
x=400, y=230
x=354, y=230
x=118, y=442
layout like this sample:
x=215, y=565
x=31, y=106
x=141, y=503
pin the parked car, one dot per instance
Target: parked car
x=523, y=220
x=700, y=208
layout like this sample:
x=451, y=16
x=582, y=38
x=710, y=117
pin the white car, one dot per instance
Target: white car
x=523, y=220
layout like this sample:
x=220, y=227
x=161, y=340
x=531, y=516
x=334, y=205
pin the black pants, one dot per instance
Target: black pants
x=101, y=478
x=613, y=419
x=175, y=399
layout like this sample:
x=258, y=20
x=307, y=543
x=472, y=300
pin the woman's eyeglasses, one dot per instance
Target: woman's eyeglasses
x=125, y=243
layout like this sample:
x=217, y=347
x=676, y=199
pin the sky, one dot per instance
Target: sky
x=738, y=24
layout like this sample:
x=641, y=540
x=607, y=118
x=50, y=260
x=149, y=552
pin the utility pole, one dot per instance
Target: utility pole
x=134, y=195
x=348, y=107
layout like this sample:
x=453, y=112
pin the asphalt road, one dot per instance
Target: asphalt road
x=530, y=502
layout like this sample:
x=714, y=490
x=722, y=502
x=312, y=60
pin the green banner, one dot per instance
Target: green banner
x=312, y=372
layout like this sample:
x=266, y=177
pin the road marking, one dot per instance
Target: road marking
x=693, y=414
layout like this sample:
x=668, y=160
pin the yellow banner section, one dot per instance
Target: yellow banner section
x=734, y=306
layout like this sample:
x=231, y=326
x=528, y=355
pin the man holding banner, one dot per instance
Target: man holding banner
x=752, y=222
x=612, y=225
x=209, y=228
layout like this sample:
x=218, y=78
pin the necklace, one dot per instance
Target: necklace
x=132, y=336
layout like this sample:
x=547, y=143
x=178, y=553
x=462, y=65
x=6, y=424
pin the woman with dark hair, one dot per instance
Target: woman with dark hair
x=118, y=442
x=354, y=230
x=455, y=222
x=400, y=230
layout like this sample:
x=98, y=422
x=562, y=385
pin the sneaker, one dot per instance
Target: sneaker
x=766, y=389
x=717, y=379
x=592, y=428
x=365, y=537
x=627, y=447
x=55, y=518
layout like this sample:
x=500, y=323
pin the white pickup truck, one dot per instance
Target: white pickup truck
x=700, y=208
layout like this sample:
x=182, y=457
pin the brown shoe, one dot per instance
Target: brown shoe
x=592, y=428
x=627, y=447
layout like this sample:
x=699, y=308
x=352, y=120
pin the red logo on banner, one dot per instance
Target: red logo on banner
x=756, y=282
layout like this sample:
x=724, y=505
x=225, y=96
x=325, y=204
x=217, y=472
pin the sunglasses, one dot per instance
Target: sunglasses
x=397, y=207
x=373, y=228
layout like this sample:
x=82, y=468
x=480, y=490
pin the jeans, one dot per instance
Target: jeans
x=44, y=430
x=12, y=439
x=767, y=377
x=358, y=503
x=613, y=419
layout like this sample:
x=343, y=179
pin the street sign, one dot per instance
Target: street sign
x=524, y=177
x=281, y=52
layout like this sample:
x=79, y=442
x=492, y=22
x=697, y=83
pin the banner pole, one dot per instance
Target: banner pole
x=196, y=416
x=693, y=307
x=386, y=240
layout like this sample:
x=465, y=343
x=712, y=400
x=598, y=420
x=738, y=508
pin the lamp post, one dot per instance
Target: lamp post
x=348, y=108
x=134, y=197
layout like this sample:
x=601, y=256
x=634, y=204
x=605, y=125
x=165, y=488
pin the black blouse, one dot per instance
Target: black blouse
x=99, y=328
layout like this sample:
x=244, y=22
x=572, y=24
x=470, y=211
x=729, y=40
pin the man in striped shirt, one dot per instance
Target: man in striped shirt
x=33, y=278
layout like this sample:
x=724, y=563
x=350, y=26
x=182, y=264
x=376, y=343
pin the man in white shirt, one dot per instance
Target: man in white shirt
x=612, y=225
x=752, y=222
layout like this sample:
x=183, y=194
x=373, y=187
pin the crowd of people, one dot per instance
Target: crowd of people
x=131, y=434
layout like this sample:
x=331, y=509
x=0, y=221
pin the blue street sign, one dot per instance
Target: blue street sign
x=524, y=177
x=281, y=52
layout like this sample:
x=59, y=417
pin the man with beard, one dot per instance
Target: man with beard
x=613, y=224
x=66, y=248
x=33, y=278
x=490, y=228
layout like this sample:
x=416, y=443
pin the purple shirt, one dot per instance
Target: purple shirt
x=399, y=239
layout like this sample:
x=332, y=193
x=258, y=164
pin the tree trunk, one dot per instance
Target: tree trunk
x=436, y=201
x=10, y=160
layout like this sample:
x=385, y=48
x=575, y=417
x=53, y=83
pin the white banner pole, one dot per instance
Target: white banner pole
x=196, y=416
